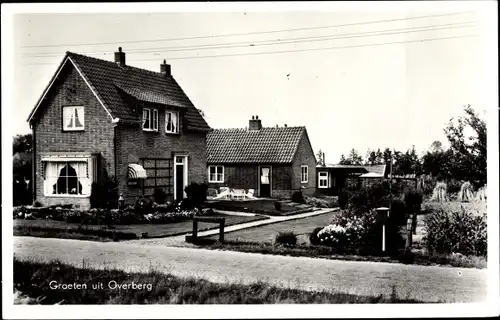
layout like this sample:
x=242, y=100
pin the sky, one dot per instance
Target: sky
x=365, y=94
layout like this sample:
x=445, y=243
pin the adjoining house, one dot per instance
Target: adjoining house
x=273, y=161
x=332, y=178
x=99, y=119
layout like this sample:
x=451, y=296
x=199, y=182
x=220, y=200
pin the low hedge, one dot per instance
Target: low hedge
x=160, y=214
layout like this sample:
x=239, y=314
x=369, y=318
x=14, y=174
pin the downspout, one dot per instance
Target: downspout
x=33, y=164
x=115, y=125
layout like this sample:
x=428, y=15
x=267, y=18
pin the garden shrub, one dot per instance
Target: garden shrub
x=277, y=205
x=343, y=199
x=399, y=212
x=440, y=192
x=462, y=232
x=413, y=200
x=160, y=196
x=37, y=204
x=286, y=238
x=350, y=230
x=196, y=194
x=369, y=197
x=313, y=237
x=322, y=201
x=104, y=194
x=298, y=197
x=466, y=193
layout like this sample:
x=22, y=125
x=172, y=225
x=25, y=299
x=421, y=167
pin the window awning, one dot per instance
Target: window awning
x=136, y=171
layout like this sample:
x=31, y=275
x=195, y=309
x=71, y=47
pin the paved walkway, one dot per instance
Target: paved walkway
x=365, y=278
x=177, y=241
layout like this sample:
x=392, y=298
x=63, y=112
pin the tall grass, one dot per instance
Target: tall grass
x=440, y=192
x=466, y=193
x=33, y=279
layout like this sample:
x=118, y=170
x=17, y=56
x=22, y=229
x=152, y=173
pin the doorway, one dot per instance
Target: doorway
x=265, y=181
x=180, y=177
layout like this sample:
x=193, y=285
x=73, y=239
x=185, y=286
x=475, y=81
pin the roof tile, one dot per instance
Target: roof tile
x=267, y=145
x=108, y=79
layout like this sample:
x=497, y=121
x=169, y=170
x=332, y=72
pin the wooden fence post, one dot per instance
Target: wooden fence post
x=221, y=231
x=195, y=229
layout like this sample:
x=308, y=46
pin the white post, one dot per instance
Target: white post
x=383, y=237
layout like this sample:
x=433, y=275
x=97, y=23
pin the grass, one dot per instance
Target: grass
x=60, y=229
x=362, y=254
x=266, y=233
x=449, y=206
x=259, y=206
x=32, y=283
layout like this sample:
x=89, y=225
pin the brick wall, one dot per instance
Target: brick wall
x=132, y=143
x=71, y=90
x=304, y=156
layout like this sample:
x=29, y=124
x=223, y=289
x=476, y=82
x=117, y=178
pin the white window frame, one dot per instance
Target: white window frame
x=304, y=174
x=81, y=114
x=90, y=175
x=217, y=180
x=323, y=176
x=153, y=119
x=176, y=124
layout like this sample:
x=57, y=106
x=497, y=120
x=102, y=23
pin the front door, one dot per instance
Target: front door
x=180, y=177
x=265, y=182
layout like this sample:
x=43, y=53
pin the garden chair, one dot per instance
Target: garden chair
x=250, y=194
x=238, y=194
x=223, y=194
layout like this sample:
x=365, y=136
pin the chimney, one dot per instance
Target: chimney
x=285, y=125
x=165, y=68
x=120, y=57
x=255, y=123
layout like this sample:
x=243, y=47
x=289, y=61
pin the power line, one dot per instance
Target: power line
x=298, y=50
x=279, y=41
x=250, y=33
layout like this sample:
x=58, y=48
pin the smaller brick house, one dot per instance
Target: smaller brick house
x=100, y=119
x=273, y=161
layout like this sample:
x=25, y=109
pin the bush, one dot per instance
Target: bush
x=104, y=193
x=413, y=200
x=298, y=197
x=440, y=192
x=343, y=199
x=313, y=237
x=398, y=212
x=366, y=198
x=277, y=205
x=196, y=194
x=287, y=238
x=466, y=193
x=456, y=232
x=349, y=230
x=160, y=196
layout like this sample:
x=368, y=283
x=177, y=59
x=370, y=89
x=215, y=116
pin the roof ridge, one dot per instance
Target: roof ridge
x=111, y=62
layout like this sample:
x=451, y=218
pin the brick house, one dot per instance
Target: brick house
x=99, y=118
x=273, y=161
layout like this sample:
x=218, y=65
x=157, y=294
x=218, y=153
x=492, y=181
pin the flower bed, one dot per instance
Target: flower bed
x=353, y=230
x=156, y=214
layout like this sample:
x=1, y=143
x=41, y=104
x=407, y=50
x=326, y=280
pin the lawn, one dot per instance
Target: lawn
x=33, y=281
x=266, y=233
x=259, y=206
x=153, y=230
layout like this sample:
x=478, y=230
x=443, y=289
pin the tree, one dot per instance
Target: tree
x=407, y=163
x=469, y=153
x=22, y=143
x=374, y=157
x=354, y=158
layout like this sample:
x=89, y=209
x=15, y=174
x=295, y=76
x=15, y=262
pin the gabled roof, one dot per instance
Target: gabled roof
x=112, y=83
x=267, y=145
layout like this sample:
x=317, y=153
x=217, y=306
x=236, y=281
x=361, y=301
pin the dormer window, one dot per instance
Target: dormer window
x=73, y=118
x=171, y=122
x=149, y=119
